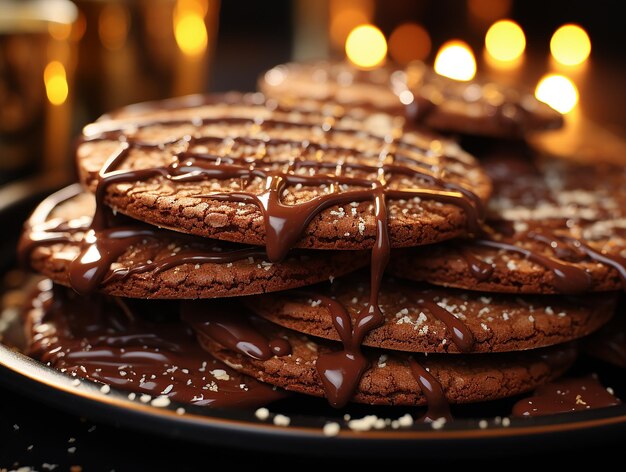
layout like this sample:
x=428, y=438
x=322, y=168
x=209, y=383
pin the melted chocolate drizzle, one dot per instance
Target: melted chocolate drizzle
x=229, y=327
x=341, y=371
x=566, y=395
x=286, y=223
x=438, y=406
x=108, y=340
x=100, y=248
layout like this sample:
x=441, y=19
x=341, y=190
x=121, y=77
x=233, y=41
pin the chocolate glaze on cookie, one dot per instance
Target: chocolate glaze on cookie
x=559, y=228
x=109, y=340
x=425, y=318
x=133, y=259
x=392, y=378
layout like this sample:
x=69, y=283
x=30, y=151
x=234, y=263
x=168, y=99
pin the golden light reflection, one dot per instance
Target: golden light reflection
x=60, y=31
x=455, y=60
x=557, y=91
x=409, y=42
x=55, y=80
x=344, y=22
x=189, y=27
x=505, y=41
x=345, y=15
x=113, y=26
x=366, y=46
x=570, y=45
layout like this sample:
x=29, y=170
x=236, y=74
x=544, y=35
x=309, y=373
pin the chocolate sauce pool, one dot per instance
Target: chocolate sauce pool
x=113, y=341
x=565, y=395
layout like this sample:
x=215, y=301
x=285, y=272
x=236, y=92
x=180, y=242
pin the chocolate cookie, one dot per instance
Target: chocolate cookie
x=295, y=362
x=422, y=318
x=246, y=171
x=477, y=107
x=111, y=340
x=133, y=259
x=558, y=227
x=335, y=83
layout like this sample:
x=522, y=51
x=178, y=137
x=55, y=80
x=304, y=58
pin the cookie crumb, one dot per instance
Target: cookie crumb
x=438, y=423
x=161, y=401
x=331, y=429
x=220, y=374
x=281, y=420
x=105, y=389
x=405, y=420
x=262, y=413
x=366, y=423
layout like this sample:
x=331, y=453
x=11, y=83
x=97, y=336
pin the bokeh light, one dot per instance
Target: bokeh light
x=409, y=42
x=505, y=41
x=189, y=28
x=366, y=46
x=570, y=45
x=557, y=91
x=55, y=80
x=456, y=60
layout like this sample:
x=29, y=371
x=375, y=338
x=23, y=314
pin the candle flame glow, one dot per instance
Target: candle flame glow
x=570, y=45
x=366, y=46
x=55, y=80
x=456, y=60
x=189, y=28
x=557, y=91
x=409, y=42
x=505, y=41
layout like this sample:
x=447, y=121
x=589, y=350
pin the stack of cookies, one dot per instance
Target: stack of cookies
x=322, y=238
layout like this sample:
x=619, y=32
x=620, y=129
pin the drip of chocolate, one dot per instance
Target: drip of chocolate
x=569, y=278
x=565, y=395
x=100, y=248
x=341, y=371
x=108, y=340
x=437, y=402
x=228, y=326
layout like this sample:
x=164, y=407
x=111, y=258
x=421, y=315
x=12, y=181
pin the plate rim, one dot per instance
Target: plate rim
x=230, y=422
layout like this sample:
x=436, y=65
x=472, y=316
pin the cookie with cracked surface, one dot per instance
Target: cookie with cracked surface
x=135, y=346
x=335, y=83
x=425, y=318
x=554, y=226
x=478, y=107
x=133, y=259
x=385, y=377
x=243, y=170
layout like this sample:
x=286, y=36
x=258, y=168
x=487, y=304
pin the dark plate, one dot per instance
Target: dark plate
x=241, y=429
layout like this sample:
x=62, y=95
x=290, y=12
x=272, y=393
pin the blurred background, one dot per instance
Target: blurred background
x=64, y=63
